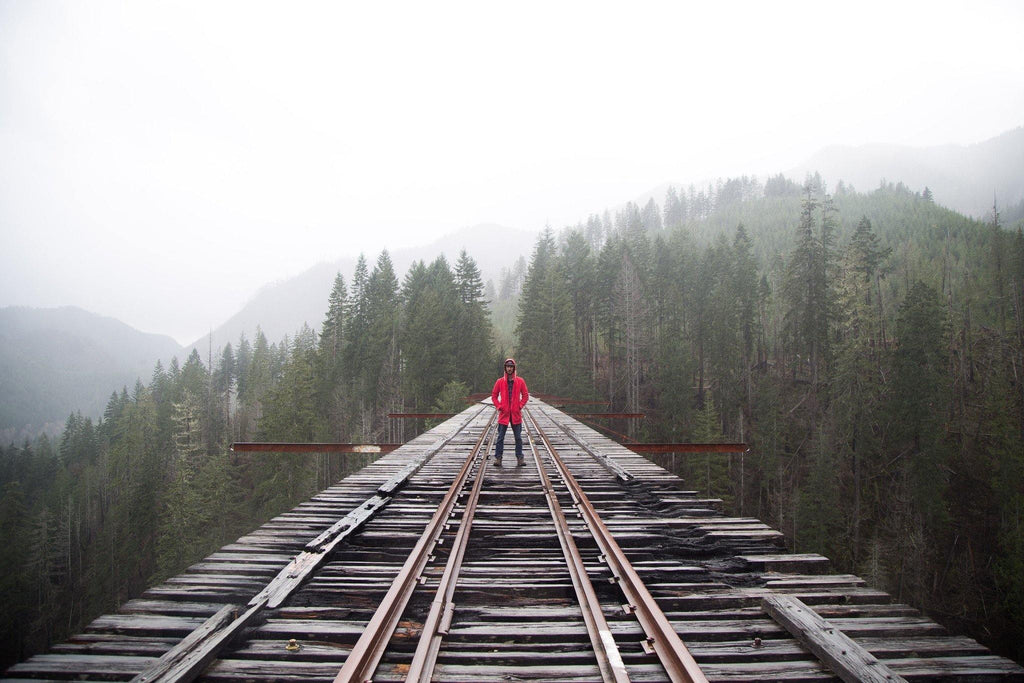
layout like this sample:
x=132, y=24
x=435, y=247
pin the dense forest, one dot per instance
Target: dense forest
x=868, y=346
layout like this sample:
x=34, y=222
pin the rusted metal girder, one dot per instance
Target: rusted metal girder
x=624, y=438
x=614, y=415
x=548, y=398
x=618, y=416
x=286, y=447
x=687, y=447
x=423, y=415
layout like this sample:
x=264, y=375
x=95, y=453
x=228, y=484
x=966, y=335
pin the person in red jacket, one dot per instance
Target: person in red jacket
x=509, y=396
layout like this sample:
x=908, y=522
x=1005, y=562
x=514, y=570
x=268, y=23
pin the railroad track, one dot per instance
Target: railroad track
x=587, y=564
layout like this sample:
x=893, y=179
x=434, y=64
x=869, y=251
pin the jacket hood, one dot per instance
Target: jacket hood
x=514, y=370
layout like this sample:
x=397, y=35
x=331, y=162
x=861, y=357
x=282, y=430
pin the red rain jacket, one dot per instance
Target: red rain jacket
x=510, y=410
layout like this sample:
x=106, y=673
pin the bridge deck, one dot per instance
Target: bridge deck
x=307, y=577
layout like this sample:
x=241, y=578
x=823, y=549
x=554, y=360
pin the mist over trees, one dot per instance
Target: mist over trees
x=119, y=504
x=868, y=347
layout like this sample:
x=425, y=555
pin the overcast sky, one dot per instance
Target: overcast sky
x=159, y=161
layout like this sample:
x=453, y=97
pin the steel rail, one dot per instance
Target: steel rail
x=611, y=465
x=442, y=608
x=661, y=637
x=186, y=660
x=609, y=660
x=367, y=652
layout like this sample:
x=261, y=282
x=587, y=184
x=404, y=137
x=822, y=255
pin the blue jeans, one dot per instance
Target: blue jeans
x=517, y=431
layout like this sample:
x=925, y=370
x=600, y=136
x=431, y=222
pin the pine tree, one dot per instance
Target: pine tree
x=744, y=285
x=856, y=389
x=379, y=378
x=675, y=209
x=807, y=285
x=475, y=339
x=430, y=330
x=334, y=351
x=223, y=383
x=633, y=311
x=579, y=269
x=544, y=332
x=650, y=217
x=333, y=332
x=920, y=388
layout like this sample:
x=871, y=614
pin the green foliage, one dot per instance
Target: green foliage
x=451, y=399
x=862, y=344
x=544, y=331
x=474, y=340
x=868, y=346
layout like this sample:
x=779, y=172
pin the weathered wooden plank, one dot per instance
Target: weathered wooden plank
x=515, y=616
x=847, y=659
x=190, y=651
x=983, y=668
x=102, y=667
x=787, y=562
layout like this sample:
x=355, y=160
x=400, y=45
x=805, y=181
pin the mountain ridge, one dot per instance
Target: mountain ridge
x=966, y=178
x=54, y=361
x=281, y=308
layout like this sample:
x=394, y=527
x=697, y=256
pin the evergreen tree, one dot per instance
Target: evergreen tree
x=544, y=332
x=744, y=283
x=675, y=209
x=474, y=341
x=223, y=387
x=650, y=217
x=430, y=330
x=379, y=378
x=335, y=345
x=579, y=270
x=333, y=332
x=15, y=583
x=807, y=287
x=920, y=393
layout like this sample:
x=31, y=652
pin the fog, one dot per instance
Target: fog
x=161, y=161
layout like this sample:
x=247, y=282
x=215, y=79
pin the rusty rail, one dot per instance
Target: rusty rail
x=442, y=608
x=368, y=650
x=609, y=660
x=661, y=637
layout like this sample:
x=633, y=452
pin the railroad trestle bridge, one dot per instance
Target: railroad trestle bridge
x=589, y=563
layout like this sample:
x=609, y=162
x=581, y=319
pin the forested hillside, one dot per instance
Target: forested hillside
x=56, y=360
x=117, y=504
x=868, y=346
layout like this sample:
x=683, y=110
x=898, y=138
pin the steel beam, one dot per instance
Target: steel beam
x=285, y=447
x=687, y=447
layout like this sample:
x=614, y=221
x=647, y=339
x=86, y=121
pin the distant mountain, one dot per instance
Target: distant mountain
x=963, y=178
x=283, y=307
x=54, y=361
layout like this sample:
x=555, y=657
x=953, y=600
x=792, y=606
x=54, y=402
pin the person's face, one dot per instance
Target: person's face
x=509, y=368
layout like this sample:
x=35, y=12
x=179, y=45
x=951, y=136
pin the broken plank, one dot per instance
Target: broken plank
x=186, y=660
x=847, y=659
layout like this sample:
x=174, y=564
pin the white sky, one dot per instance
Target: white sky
x=159, y=161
